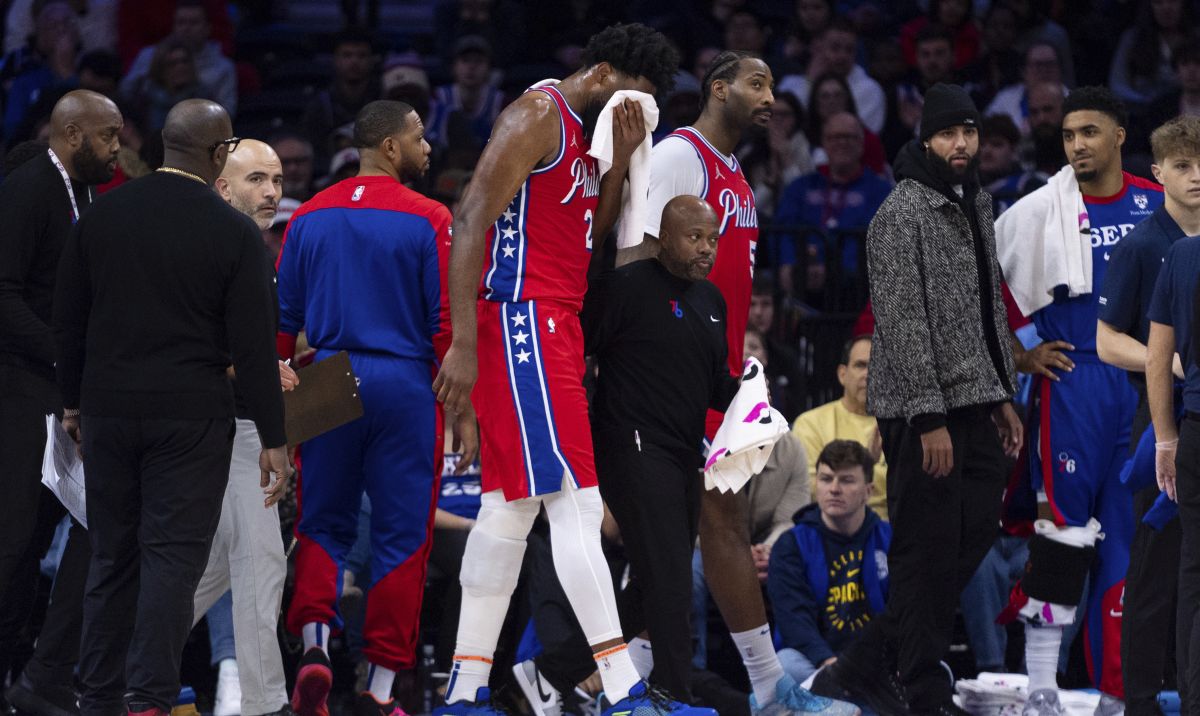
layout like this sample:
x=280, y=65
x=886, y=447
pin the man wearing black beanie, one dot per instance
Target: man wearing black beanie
x=942, y=377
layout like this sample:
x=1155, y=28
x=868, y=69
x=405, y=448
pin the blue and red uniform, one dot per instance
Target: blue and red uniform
x=363, y=269
x=532, y=408
x=1081, y=430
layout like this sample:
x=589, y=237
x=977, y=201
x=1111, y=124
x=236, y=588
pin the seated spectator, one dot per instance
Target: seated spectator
x=830, y=95
x=812, y=16
x=296, y=154
x=840, y=196
x=956, y=17
x=1182, y=100
x=1043, y=147
x=464, y=111
x=847, y=419
x=1000, y=170
x=142, y=23
x=934, y=48
x=835, y=51
x=97, y=21
x=1034, y=27
x=172, y=78
x=771, y=160
x=49, y=63
x=192, y=29
x=404, y=80
x=746, y=32
x=354, y=85
x=1042, y=64
x=829, y=574
x=1141, y=67
x=999, y=64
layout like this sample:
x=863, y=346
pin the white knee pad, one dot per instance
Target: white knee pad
x=492, y=560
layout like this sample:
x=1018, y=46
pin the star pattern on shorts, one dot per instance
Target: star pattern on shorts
x=523, y=356
x=508, y=251
x=520, y=337
x=518, y=319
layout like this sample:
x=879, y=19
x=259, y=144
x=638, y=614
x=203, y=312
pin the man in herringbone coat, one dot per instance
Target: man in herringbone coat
x=941, y=379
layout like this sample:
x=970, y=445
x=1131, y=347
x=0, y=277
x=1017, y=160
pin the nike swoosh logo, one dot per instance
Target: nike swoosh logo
x=714, y=319
x=545, y=697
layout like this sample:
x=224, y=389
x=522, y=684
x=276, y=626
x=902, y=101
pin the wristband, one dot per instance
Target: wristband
x=71, y=412
x=1166, y=444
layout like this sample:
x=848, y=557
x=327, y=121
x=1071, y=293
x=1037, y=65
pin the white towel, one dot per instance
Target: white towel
x=1044, y=241
x=743, y=443
x=635, y=196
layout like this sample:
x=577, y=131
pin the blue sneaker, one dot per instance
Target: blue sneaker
x=647, y=700
x=481, y=706
x=792, y=699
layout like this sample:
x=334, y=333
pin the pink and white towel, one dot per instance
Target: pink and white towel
x=744, y=441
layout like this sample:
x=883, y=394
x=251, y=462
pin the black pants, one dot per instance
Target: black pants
x=1187, y=625
x=941, y=530
x=154, y=491
x=1151, y=585
x=654, y=495
x=31, y=515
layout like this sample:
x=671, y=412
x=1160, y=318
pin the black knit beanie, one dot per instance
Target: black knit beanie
x=947, y=106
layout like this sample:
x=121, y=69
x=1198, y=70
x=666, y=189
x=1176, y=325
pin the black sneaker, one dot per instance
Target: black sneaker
x=880, y=691
x=32, y=701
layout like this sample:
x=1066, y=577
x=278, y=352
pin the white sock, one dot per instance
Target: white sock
x=642, y=656
x=1041, y=656
x=227, y=666
x=379, y=683
x=762, y=665
x=316, y=634
x=617, y=672
x=466, y=676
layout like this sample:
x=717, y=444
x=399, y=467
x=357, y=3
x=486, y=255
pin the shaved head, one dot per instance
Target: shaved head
x=83, y=134
x=688, y=237
x=252, y=181
x=683, y=210
x=191, y=130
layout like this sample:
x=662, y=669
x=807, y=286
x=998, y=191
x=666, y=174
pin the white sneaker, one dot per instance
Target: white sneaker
x=544, y=699
x=1043, y=702
x=229, y=690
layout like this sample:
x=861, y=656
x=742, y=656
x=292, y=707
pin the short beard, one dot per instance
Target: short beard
x=90, y=168
x=944, y=172
x=1088, y=175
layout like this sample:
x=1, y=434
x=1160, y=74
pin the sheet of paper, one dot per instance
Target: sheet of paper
x=62, y=470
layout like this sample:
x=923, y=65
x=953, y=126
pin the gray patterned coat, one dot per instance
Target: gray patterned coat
x=929, y=353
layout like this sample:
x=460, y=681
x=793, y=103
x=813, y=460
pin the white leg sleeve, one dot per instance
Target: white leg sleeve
x=575, y=538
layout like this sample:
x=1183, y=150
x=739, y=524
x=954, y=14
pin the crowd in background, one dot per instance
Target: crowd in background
x=850, y=78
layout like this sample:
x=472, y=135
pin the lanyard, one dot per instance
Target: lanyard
x=67, y=182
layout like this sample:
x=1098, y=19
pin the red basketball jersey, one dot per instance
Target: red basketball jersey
x=728, y=193
x=540, y=247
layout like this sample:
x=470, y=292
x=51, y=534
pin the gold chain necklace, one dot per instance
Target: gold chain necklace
x=182, y=173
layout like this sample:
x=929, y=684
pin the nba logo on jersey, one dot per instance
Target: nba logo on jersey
x=1140, y=200
x=358, y=192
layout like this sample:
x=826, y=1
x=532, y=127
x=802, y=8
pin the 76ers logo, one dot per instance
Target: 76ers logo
x=741, y=211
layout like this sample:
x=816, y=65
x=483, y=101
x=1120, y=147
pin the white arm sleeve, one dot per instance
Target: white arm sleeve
x=675, y=169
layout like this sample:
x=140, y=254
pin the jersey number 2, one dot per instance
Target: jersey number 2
x=587, y=219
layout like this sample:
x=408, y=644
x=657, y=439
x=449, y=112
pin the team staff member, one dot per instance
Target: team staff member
x=941, y=380
x=1173, y=330
x=1151, y=582
x=247, y=550
x=145, y=330
x=699, y=160
x=363, y=269
x=648, y=418
x=39, y=202
x=535, y=208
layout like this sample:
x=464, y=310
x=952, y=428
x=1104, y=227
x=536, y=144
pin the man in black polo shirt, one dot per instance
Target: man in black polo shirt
x=657, y=328
x=39, y=202
x=1122, y=332
x=1173, y=329
x=159, y=284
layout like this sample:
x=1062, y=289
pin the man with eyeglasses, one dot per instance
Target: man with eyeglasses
x=146, y=329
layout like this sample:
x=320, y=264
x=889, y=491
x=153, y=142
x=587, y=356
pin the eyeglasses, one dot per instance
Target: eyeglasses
x=232, y=143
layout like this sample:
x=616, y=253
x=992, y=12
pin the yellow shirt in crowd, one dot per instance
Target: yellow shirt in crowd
x=832, y=421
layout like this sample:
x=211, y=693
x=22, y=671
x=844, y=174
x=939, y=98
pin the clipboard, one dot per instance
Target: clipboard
x=326, y=398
